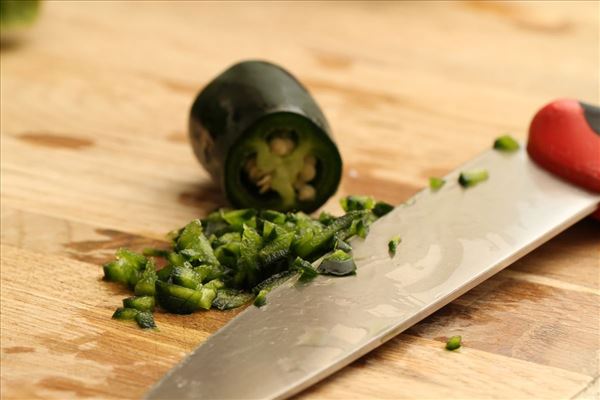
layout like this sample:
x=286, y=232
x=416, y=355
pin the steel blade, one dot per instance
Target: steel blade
x=452, y=240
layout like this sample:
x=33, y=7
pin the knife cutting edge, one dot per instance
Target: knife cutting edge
x=452, y=240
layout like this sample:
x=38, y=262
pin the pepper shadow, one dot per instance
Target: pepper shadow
x=205, y=196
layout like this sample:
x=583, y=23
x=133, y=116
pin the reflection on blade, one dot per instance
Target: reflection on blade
x=452, y=240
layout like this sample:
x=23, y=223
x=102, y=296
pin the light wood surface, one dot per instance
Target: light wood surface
x=94, y=156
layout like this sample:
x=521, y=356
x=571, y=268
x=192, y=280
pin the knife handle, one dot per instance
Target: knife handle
x=564, y=138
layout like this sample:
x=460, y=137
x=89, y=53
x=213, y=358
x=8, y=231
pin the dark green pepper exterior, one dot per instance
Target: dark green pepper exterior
x=247, y=102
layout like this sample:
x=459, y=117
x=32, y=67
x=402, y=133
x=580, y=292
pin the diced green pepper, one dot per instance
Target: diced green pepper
x=311, y=247
x=134, y=259
x=145, y=286
x=186, y=277
x=165, y=273
x=507, y=144
x=118, y=272
x=140, y=303
x=276, y=250
x=273, y=281
x=206, y=298
x=276, y=217
x=178, y=299
x=302, y=223
x=339, y=263
x=436, y=183
x=227, y=238
x=193, y=244
x=341, y=244
x=362, y=228
x=175, y=259
x=393, y=245
x=306, y=270
x=358, y=226
x=357, y=203
x=268, y=231
x=246, y=273
x=125, y=313
x=326, y=218
x=228, y=254
x=215, y=225
x=145, y=320
x=261, y=298
x=453, y=343
x=473, y=177
x=215, y=284
x=382, y=208
x=230, y=298
x=126, y=268
x=237, y=218
x=208, y=272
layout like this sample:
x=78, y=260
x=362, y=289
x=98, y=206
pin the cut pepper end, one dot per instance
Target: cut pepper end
x=283, y=163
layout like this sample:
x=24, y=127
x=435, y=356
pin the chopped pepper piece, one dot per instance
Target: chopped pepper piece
x=246, y=274
x=453, y=343
x=126, y=268
x=341, y=244
x=393, y=245
x=507, y=144
x=228, y=254
x=436, y=183
x=208, y=272
x=362, y=228
x=194, y=245
x=186, y=277
x=262, y=289
x=277, y=250
x=237, y=218
x=125, y=313
x=338, y=263
x=178, y=299
x=145, y=286
x=140, y=303
x=176, y=259
x=382, y=208
x=145, y=320
x=309, y=246
x=230, y=298
x=357, y=203
x=276, y=217
x=325, y=218
x=261, y=298
x=165, y=273
x=306, y=270
x=473, y=177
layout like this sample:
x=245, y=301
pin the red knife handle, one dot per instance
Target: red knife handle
x=564, y=138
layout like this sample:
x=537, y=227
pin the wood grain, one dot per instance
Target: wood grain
x=94, y=156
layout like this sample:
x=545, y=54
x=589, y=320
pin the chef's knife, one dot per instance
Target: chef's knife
x=452, y=240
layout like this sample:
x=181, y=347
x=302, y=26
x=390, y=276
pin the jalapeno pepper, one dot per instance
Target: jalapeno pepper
x=261, y=135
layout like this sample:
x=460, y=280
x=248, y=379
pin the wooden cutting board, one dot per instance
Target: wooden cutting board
x=94, y=104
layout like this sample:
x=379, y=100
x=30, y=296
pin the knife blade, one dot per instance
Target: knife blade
x=452, y=240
